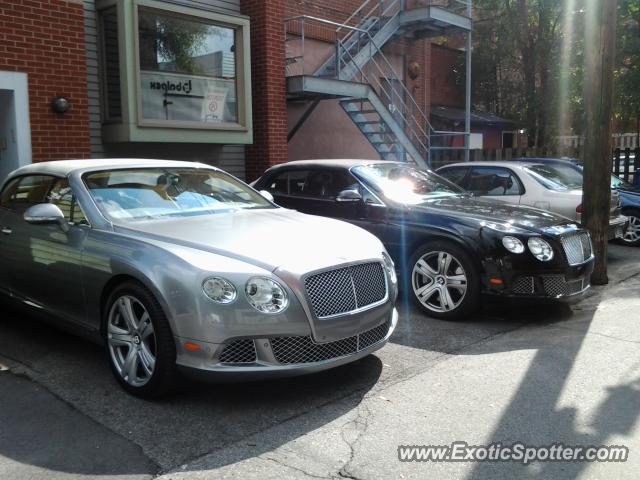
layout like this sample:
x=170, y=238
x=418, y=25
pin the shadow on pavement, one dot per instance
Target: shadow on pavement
x=536, y=415
x=198, y=419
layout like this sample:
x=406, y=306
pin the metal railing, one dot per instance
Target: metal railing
x=378, y=71
x=353, y=37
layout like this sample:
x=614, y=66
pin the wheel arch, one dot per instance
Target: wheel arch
x=118, y=280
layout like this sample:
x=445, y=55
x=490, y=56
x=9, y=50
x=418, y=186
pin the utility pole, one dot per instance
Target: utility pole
x=600, y=41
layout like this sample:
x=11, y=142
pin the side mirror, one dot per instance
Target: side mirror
x=349, y=196
x=267, y=195
x=46, y=214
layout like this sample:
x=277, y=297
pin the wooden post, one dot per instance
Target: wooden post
x=600, y=51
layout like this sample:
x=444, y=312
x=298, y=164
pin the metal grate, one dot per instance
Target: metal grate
x=289, y=350
x=373, y=336
x=557, y=285
x=577, y=248
x=369, y=284
x=346, y=289
x=554, y=285
x=239, y=351
x=523, y=285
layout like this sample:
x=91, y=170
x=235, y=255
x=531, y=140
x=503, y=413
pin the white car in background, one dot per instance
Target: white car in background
x=548, y=187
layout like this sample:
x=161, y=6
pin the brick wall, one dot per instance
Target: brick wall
x=45, y=40
x=268, y=84
x=447, y=76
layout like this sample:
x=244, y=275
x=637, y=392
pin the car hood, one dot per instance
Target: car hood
x=270, y=239
x=488, y=211
x=630, y=189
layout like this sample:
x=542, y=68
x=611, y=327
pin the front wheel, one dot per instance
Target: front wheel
x=631, y=236
x=140, y=346
x=444, y=282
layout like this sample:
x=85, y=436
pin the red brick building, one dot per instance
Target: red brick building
x=237, y=103
x=45, y=40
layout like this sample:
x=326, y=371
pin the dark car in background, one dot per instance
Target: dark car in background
x=449, y=247
x=629, y=196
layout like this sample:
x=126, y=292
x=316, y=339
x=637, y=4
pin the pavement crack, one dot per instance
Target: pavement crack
x=590, y=332
x=360, y=425
x=291, y=467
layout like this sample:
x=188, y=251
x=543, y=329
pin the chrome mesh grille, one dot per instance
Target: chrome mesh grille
x=577, y=248
x=289, y=350
x=346, y=289
x=523, y=285
x=239, y=351
x=373, y=336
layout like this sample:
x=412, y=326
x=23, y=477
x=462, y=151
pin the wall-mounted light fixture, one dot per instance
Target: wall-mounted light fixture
x=414, y=69
x=60, y=105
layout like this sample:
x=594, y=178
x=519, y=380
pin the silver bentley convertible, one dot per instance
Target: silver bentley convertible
x=180, y=267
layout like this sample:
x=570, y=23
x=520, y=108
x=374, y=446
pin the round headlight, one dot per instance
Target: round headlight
x=266, y=295
x=513, y=244
x=540, y=249
x=219, y=290
x=390, y=267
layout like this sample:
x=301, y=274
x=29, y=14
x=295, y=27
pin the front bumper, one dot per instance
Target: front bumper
x=617, y=227
x=244, y=359
x=568, y=283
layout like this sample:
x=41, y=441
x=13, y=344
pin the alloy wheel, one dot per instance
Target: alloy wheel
x=439, y=281
x=131, y=341
x=632, y=234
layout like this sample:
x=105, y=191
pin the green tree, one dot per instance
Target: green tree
x=627, y=73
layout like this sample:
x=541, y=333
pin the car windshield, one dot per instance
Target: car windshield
x=556, y=177
x=407, y=184
x=619, y=183
x=149, y=193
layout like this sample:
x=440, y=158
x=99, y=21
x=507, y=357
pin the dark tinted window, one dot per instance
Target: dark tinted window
x=454, y=174
x=288, y=183
x=329, y=183
x=26, y=192
x=494, y=181
x=312, y=183
x=8, y=193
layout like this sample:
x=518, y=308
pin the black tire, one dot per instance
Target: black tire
x=164, y=374
x=631, y=237
x=459, y=304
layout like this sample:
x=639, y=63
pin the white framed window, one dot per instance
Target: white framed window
x=173, y=73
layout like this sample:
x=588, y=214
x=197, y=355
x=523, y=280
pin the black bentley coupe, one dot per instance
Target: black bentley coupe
x=448, y=246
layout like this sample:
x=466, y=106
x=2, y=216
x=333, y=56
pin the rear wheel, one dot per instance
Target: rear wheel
x=444, y=281
x=632, y=235
x=140, y=346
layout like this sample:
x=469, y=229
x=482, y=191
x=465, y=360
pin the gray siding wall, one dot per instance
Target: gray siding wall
x=228, y=157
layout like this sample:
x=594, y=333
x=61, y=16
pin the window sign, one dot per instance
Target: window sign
x=187, y=69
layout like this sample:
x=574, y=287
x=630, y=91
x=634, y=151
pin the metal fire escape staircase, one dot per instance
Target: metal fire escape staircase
x=358, y=73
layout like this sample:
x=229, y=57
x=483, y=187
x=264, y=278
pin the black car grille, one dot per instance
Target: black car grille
x=523, y=285
x=346, y=289
x=557, y=285
x=548, y=285
x=302, y=349
x=577, y=248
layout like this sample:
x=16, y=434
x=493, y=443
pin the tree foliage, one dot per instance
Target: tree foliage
x=528, y=64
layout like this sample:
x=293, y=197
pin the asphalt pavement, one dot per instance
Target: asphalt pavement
x=533, y=373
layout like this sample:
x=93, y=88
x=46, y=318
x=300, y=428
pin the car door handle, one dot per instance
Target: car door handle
x=6, y=231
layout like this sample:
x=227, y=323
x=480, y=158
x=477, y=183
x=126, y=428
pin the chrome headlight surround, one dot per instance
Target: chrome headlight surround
x=512, y=244
x=540, y=249
x=390, y=267
x=266, y=295
x=219, y=290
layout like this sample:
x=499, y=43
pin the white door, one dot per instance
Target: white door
x=15, y=130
